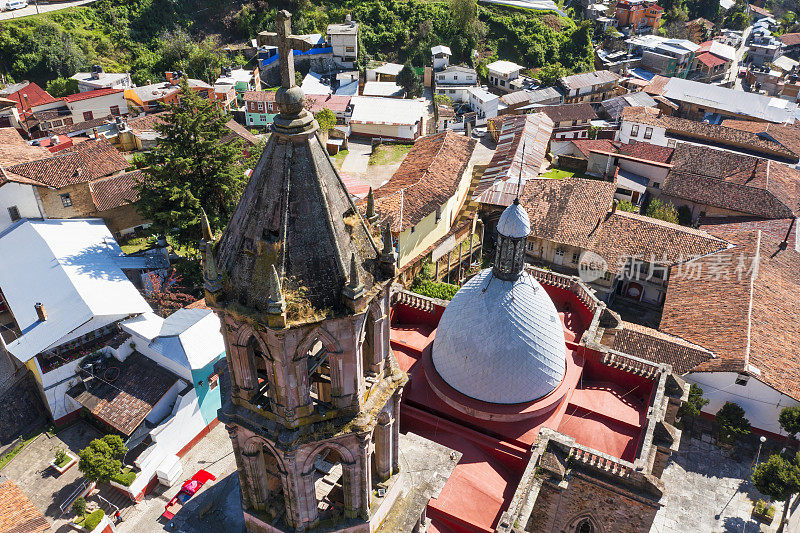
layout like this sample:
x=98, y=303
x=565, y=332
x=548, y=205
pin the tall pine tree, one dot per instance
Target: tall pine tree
x=191, y=167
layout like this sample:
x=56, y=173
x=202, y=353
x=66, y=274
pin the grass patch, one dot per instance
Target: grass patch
x=339, y=158
x=125, y=477
x=558, y=174
x=137, y=244
x=435, y=289
x=386, y=154
x=16, y=449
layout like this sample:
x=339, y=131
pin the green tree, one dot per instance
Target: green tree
x=789, y=419
x=662, y=210
x=409, y=81
x=62, y=87
x=549, y=74
x=731, y=422
x=102, y=458
x=326, y=119
x=191, y=167
x=464, y=13
x=442, y=99
x=778, y=478
x=628, y=207
x=694, y=404
x=79, y=506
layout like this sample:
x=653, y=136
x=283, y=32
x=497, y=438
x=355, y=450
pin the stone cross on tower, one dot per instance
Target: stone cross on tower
x=286, y=43
x=294, y=119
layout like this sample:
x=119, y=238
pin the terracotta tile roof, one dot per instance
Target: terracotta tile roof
x=647, y=152
x=760, y=11
x=427, y=178
x=585, y=146
x=656, y=85
x=81, y=163
x=518, y=133
x=17, y=512
x=624, y=235
x=785, y=134
x=91, y=94
x=568, y=112
x=659, y=347
x=790, y=39
x=710, y=60
x=736, y=182
x=748, y=321
x=124, y=404
x=82, y=126
x=116, y=191
x=36, y=96
x=259, y=96
x=335, y=102
x=576, y=212
x=237, y=130
x=14, y=149
x=777, y=228
x=567, y=211
x=145, y=122
x=681, y=127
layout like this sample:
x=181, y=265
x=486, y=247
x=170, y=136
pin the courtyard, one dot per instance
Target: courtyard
x=708, y=490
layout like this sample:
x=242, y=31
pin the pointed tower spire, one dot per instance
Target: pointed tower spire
x=372, y=216
x=212, y=281
x=276, y=306
x=388, y=257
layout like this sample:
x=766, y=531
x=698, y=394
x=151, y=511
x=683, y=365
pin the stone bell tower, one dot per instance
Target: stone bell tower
x=312, y=393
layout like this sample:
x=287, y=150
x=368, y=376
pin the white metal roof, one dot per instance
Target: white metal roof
x=504, y=67
x=70, y=266
x=190, y=337
x=390, y=69
x=441, y=49
x=514, y=222
x=396, y=111
x=382, y=88
x=501, y=341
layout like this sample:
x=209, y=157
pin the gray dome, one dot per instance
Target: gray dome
x=501, y=341
x=514, y=222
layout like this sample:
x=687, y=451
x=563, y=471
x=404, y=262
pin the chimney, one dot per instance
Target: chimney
x=40, y=312
x=95, y=133
x=614, y=203
x=27, y=103
x=348, y=19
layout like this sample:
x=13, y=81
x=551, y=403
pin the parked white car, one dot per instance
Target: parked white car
x=9, y=5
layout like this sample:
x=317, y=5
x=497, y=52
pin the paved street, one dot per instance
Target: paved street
x=707, y=492
x=42, y=8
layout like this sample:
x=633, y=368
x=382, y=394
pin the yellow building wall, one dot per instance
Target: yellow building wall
x=428, y=230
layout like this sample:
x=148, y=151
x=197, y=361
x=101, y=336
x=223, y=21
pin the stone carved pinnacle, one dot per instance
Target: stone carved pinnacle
x=276, y=306
x=354, y=288
x=388, y=246
x=371, y=215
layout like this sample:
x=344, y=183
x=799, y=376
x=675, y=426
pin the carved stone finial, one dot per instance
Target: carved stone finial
x=276, y=306
x=388, y=257
x=372, y=216
x=354, y=290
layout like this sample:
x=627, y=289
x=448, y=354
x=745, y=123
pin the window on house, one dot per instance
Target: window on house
x=656, y=185
x=574, y=122
x=502, y=83
x=455, y=77
x=349, y=48
x=261, y=106
x=438, y=213
x=575, y=257
x=607, y=276
x=560, y=252
x=531, y=246
x=56, y=123
x=115, y=110
x=742, y=379
x=88, y=115
x=635, y=130
x=671, y=143
x=213, y=381
x=66, y=200
x=648, y=133
x=413, y=228
x=13, y=212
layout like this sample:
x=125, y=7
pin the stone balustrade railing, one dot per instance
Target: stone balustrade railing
x=416, y=301
x=630, y=364
x=600, y=461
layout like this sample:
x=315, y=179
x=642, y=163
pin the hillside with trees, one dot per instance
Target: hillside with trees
x=148, y=37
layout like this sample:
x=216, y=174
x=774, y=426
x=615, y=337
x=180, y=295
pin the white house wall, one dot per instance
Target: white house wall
x=762, y=403
x=659, y=136
x=21, y=196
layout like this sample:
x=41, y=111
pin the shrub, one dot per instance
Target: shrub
x=435, y=289
x=732, y=422
x=762, y=508
x=62, y=458
x=662, y=210
x=93, y=520
x=694, y=404
x=326, y=119
x=124, y=477
x=789, y=419
x=625, y=205
x=79, y=506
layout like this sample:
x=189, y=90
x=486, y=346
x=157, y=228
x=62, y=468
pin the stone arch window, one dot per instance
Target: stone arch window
x=323, y=378
x=261, y=363
x=329, y=473
x=264, y=477
x=369, y=343
x=584, y=524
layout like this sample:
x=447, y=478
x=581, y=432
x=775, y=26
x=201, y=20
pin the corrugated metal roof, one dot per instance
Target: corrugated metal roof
x=517, y=131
